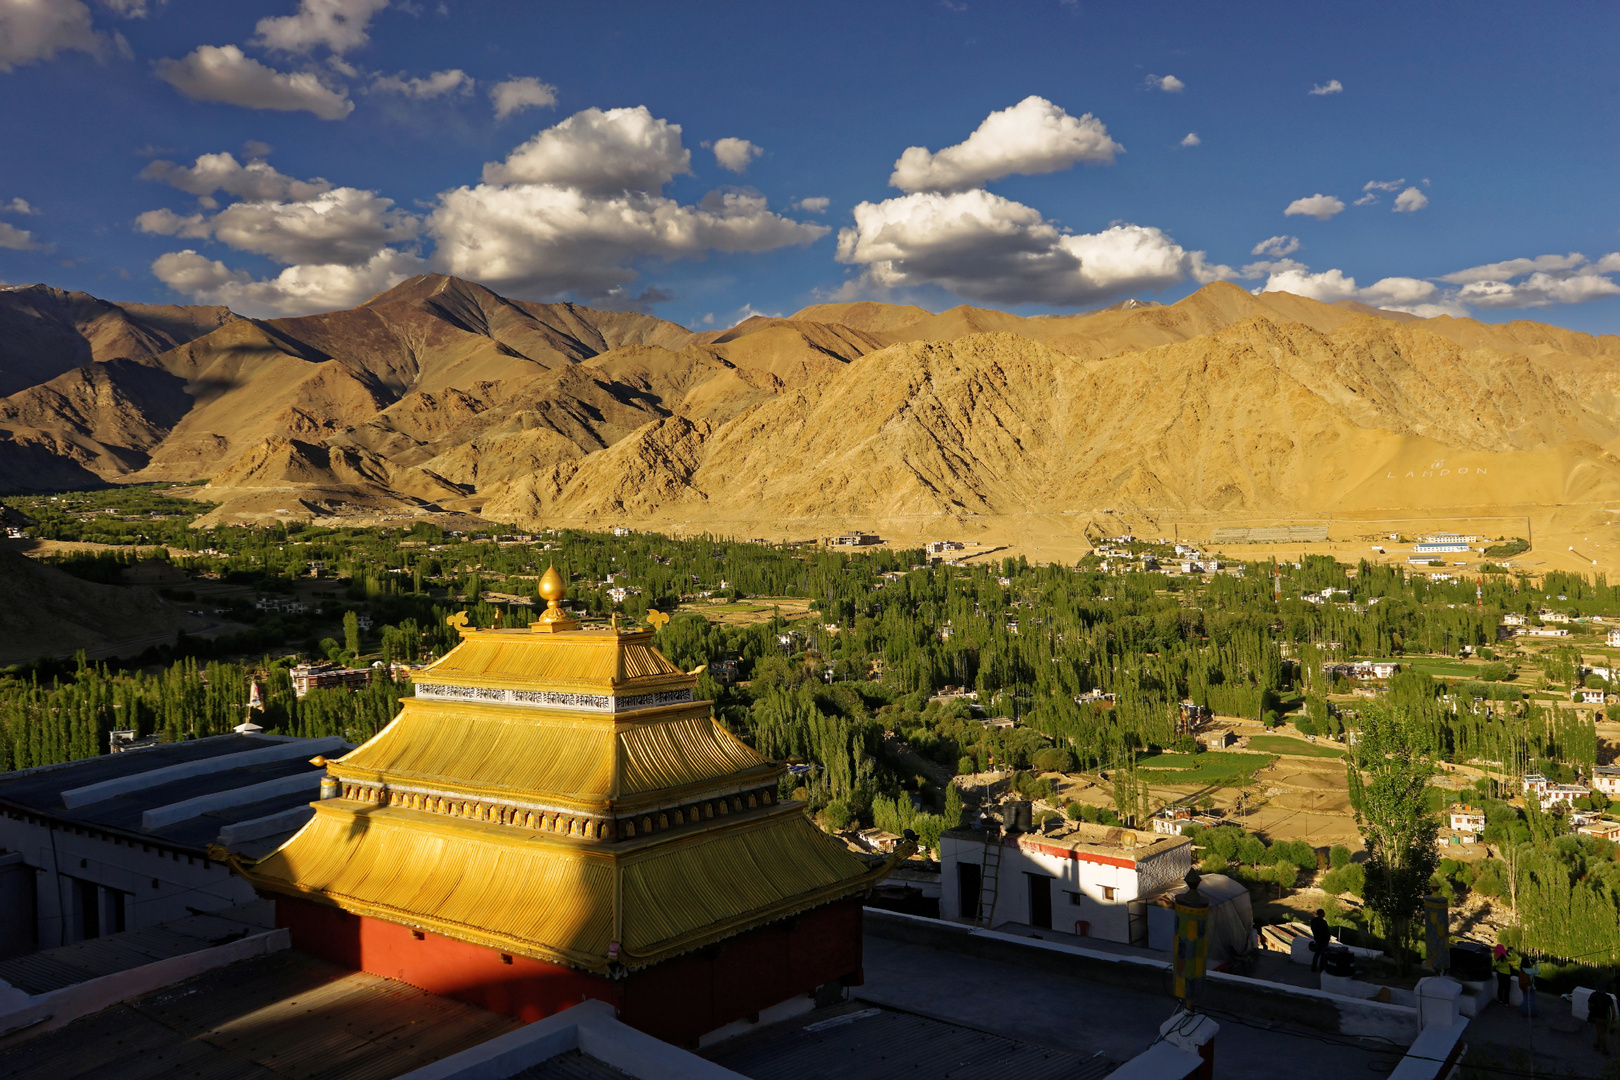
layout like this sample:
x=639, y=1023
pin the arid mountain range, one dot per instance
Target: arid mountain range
x=440, y=394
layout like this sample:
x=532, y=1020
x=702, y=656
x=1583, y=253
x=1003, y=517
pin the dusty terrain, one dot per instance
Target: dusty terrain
x=1028, y=434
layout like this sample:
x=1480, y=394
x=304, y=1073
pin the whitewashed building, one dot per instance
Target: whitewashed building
x=1089, y=880
x=1467, y=819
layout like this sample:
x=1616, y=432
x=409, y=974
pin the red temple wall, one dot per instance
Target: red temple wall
x=677, y=1000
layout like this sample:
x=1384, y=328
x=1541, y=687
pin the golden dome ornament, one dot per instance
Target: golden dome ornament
x=554, y=618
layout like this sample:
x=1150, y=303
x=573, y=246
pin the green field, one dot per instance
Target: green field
x=1283, y=744
x=1217, y=767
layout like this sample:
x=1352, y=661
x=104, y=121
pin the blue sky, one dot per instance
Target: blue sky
x=533, y=146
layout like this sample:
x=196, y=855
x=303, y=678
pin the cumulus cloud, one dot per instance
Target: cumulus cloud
x=1410, y=200
x=515, y=95
x=985, y=247
x=735, y=154
x=16, y=239
x=1393, y=293
x=297, y=290
x=340, y=25
x=569, y=211
x=1168, y=83
x=1191, y=139
x=223, y=173
x=17, y=206
x=224, y=73
x=1319, y=206
x=33, y=30
x=1332, y=86
x=451, y=81
x=1032, y=137
x=599, y=151
x=1276, y=246
x=815, y=205
x=1538, y=282
x=549, y=237
x=343, y=226
x=129, y=9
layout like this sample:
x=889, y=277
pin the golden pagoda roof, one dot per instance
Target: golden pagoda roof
x=556, y=899
x=552, y=791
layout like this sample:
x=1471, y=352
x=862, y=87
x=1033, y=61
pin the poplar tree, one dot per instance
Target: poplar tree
x=1388, y=774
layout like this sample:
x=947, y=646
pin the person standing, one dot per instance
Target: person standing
x=1527, y=987
x=1504, y=974
x=1600, y=1011
x=1321, y=935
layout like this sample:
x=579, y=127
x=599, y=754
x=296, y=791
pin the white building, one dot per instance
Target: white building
x=1544, y=631
x=119, y=842
x=1587, y=697
x=1467, y=819
x=1614, y=638
x=1606, y=778
x=1089, y=880
x=1513, y=618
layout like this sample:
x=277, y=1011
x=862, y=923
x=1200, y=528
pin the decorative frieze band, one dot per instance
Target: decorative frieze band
x=551, y=699
x=589, y=827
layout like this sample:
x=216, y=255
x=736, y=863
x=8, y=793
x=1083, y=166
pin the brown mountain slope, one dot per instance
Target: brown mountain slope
x=1259, y=416
x=46, y=331
x=51, y=613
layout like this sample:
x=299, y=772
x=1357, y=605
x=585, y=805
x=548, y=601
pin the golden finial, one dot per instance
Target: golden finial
x=458, y=620
x=657, y=619
x=552, y=590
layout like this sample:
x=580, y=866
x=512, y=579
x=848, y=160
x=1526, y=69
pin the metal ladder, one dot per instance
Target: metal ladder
x=989, y=877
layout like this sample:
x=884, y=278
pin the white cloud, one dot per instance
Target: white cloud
x=1032, y=137
x=17, y=206
x=129, y=9
x=735, y=154
x=1512, y=268
x=1168, y=83
x=16, y=239
x=570, y=211
x=1393, y=293
x=1319, y=206
x=297, y=290
x=222, y=172
x=223, y=73
x=1332, y=86
x=593, y=150
x=1191, y=139
x=32, y=30
x=1410, y=201
x=1366, y=200
x=451, y=81
x=343, y=226
x=815, y=205
x=340, y=25
x=987, y=248
x=515, y=95
x=1547, y=279
x=1383, y=185
x=550, y=238
x=1276, y=246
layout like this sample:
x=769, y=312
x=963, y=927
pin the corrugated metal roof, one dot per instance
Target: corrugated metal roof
x=858, y=1042
x=278, y=1017
x=551, y=898
x=552, y=758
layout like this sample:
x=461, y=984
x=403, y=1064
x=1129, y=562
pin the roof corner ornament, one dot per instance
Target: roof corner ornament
x=459, y=621
x=657, y=619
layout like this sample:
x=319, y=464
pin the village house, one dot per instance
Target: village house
x=1614, y=638
x=1467, y=819
x=940, y=547
x=1089, y=880
x=1603, y=830
x=1544, y=631
x=1587, y=697
x=1513, y=618
x=1554, y=616
x=328, y=676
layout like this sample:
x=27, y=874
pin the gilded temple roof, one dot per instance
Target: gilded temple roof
x=557, y=793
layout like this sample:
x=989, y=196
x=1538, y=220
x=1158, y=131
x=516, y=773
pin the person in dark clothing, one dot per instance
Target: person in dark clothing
x=1321, y=935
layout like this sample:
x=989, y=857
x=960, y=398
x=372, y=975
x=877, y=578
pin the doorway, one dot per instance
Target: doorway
x=1040, y=900
x=968, y=883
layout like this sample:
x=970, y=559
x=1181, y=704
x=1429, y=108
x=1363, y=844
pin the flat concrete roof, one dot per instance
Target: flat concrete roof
x=277, y=1017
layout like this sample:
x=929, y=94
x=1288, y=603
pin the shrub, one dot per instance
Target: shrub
x=1212, y=864
x=836, y=816
x=1338, y=856
x=1053, y=759
x=965, y=766
x=1074, y=810
x=1349, y=878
